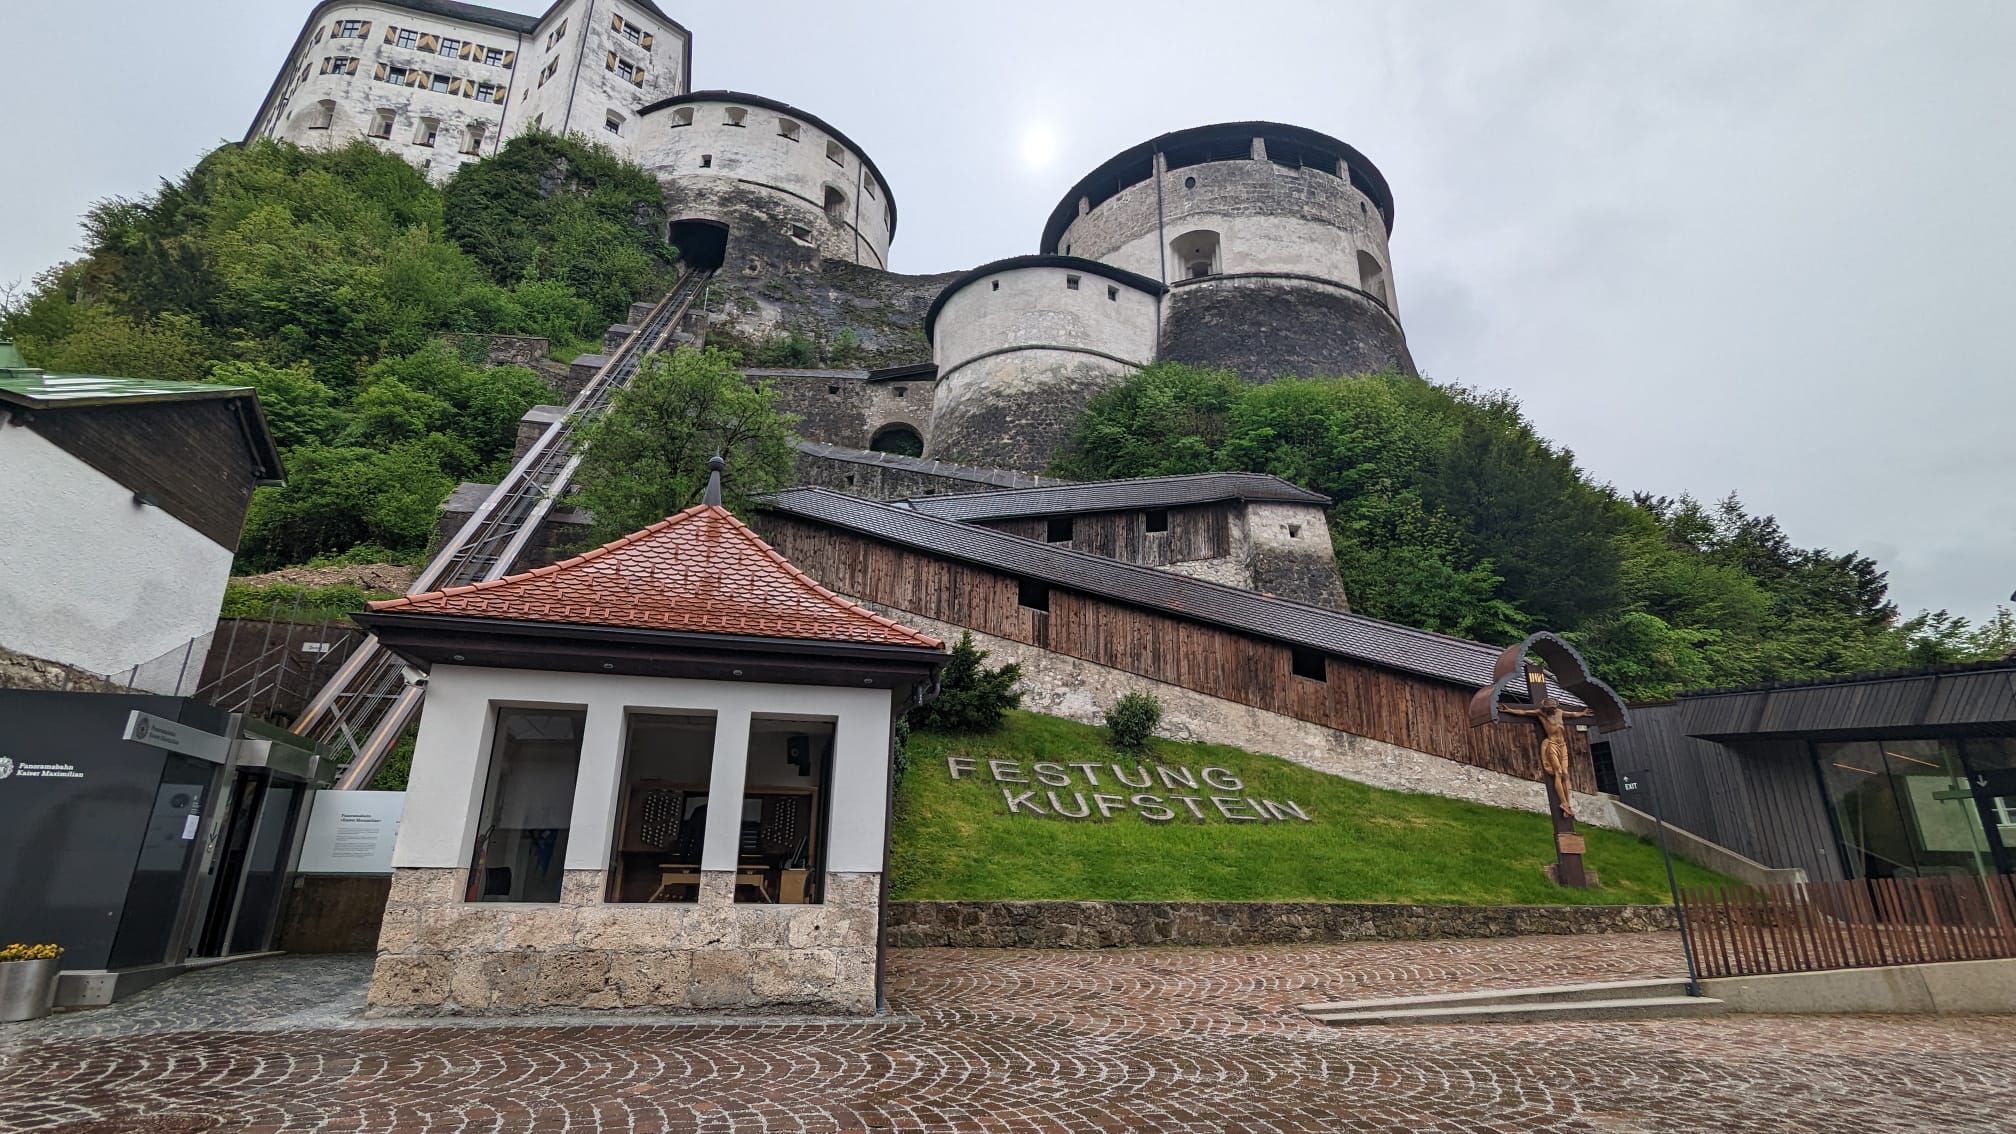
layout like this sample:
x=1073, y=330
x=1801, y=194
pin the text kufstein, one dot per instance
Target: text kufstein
x=1171, y=782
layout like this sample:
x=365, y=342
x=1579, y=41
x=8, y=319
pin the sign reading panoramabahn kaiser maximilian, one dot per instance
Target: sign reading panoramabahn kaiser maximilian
x=1205, y=795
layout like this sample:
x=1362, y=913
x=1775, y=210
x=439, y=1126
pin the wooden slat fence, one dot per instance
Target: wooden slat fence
x=1801, y=927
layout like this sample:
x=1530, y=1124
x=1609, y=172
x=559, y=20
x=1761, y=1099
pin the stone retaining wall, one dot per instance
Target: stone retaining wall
x=438, y=954
x=1110, y=925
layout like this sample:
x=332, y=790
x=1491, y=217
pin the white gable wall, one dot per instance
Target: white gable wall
x=92, y=578
x=451, y=759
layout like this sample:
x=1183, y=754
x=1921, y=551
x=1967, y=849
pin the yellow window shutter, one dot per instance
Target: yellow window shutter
x=510, y=57
x=615, y=23
x=336, y=28
x=647, y=41
x=637, y=77
x=454, y=86
x=415, y=78
x=365, y=31
x=381, y=72
x=353, y=68
x=612, y=61
x=391, y=32
x=499, y=96
x=430, y=43
x=325, y=64
x=468, y=49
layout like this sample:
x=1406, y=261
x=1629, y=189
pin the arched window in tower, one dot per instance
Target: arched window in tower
x=1372, y=277
x=836, y=205
x=322, y=114
x=735, y=115
x=1195, y=254
x=682, y=116
x=899, y=439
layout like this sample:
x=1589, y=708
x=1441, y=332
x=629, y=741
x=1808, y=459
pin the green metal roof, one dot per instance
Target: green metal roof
x=31, y=389
x=40, y=389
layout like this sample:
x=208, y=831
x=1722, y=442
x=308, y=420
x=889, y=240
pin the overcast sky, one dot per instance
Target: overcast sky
x=1761, y=247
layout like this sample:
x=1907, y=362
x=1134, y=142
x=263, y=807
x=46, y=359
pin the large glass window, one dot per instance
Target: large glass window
x=668, y=763
x=1904, y=808
x=782, y=854
x=528, y=805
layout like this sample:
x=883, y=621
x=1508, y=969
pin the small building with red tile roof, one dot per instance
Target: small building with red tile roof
x=653, y=776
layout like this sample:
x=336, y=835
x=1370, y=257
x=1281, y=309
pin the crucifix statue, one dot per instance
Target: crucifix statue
x=1596, y=702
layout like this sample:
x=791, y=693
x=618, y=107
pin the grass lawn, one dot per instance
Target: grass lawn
x=955, y=839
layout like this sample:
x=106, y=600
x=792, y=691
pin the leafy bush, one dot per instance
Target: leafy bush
x=1132, y=720
x=971, y=697
x=290, y=602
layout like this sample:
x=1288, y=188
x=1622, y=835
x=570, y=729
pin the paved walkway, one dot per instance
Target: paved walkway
x=1191, y=1040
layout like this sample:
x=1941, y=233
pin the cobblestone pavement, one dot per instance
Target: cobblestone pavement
x=1193, y=1040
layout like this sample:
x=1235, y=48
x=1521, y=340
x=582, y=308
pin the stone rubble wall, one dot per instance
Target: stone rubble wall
x=440, y=955
x=506, y=350
x=1116, y=925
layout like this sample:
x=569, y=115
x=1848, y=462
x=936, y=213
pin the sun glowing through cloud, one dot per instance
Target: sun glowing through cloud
x=1039, y=147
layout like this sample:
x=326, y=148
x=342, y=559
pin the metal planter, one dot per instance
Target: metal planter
x=27, y=989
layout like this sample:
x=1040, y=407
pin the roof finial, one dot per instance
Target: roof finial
x=714, y=468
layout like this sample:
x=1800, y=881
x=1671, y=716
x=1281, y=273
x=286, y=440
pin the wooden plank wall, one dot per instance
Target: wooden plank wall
x=1758, y=799
x=1414, y=712
x=1198, y=531
x=190, y=458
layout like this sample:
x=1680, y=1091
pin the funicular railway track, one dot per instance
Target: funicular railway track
x=361, y=712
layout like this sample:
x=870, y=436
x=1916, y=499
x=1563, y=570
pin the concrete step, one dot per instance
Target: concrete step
x=1595, y=990
x=1530, y=1012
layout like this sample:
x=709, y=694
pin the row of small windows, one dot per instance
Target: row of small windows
x=787, y=128
x=440, y=84
x=426, y=130
x=1071, y=283
x=433, y=43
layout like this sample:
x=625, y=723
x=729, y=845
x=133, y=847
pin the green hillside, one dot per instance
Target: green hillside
x=954, y=838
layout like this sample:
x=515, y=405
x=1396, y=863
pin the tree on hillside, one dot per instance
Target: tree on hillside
x=324, y=279
x=646, y=456
x=1452, y=514
x=567, y=210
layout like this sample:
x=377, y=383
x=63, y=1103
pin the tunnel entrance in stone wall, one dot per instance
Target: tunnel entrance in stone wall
x=899, y=439
x=702, y=244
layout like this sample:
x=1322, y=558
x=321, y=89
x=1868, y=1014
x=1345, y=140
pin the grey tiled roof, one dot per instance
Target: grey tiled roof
x=1115, y=496
x=1350, y=636
x=997, y=478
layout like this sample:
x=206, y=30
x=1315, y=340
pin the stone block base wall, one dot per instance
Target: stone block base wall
x=440, y=955
x=1113, y=925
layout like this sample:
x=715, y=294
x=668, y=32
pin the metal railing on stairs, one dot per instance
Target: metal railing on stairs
x=362, y=710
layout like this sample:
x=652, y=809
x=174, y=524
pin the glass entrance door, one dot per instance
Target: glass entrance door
x=227, y=867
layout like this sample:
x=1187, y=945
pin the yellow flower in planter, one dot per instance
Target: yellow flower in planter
x=31, y=953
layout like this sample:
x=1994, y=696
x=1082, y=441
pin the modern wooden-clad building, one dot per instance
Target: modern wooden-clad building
x=1887, y=775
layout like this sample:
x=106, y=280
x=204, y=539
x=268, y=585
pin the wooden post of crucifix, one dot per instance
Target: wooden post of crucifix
x=1595, y=701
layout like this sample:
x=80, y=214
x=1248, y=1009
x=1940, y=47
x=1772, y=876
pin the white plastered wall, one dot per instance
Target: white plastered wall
x=457, y=722
x=757, y=156
x=94, y=579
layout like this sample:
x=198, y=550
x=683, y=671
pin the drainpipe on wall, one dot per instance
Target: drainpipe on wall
x=580, y=53
x=511, y=89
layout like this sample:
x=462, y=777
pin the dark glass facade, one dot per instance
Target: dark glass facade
x=1922, y=807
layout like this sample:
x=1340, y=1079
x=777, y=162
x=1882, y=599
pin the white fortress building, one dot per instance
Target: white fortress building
x=1258, y=247
x=441, y=83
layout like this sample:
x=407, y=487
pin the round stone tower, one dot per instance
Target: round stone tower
x=1022, y=344
x=1271, y=239
x=749, y=179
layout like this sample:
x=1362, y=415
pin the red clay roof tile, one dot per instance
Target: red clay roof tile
x=702, y=571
